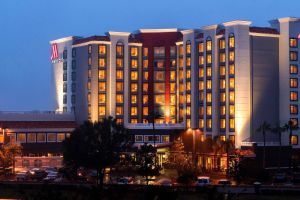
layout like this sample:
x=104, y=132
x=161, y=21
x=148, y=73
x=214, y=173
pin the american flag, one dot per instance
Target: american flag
x=54, y=54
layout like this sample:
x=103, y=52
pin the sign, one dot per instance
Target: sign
x=54, y=52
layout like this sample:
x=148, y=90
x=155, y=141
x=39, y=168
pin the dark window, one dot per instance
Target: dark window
x=73, y=53
x=65, y=66
x=73, y=99
x=293, y=109
x=73, y=76
x=65, y=87
x=73, y=87
x=65, y=99
x=89, y=49
x=73, y=64
x=65, y=54
x=65, y=77
x=293, y=56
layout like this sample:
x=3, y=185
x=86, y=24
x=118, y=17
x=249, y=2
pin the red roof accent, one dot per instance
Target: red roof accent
x=91, y=38
x=221, y=32
x=267, y=30
x=37, y=124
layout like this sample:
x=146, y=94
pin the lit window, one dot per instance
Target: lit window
x=201, y=110
x=159, y=51
x=188, y=61
x=101, y=74
x=222, y=110
x=172, y=87
x=231, y=110
x=89, y=109
x=294, y=140
x=200, y=47
x=294, y=121
x=145, y=111
x=51, y=137
x=145, y=52
x=232, y=123
x=188, y=86
x=60, y=137
x=101, y=62
x=119, y=87
x=222, y=97
x=293, y=82
x=181, y=75
x=181, y=88
x=134, y=87
x=231, y=42
x=159, y=75
x=231, y=69
x=294, y=96
x=180, y=62
x=102, y=49
x=222, y=70
x=145, y=63
x=222, y=57
x=208, y=97
x=188, y=48
x=119, y=98
x=31, y=137
x=165, y=138
x=119, y=74
x=222, y=83
x=201, y=72
x=134, y=63
x=208, y=110
x=188, y=123
x=181, y=99
x=208, y=71
x=208, y=45
x=172, y=111
x=293, y=69
x=145, y=87
x=133, y=99
x=89, y=97
x=231, y=97
x=201, y=60
x=119, y=62
x=293, y=43
x=101, y=86
x=119, y=50
x=293, y=109
x=119, y=110
x=89, y=49
x=231, y=56
x=188, y=98
x=208, y=58
x=88, y=85
x=89, y=61
x=133, y=110
x=134, y=51
x=145, y=99
x=159, y=87
x=222, y=44
x=173, y=63
x=232, y=138
x=188, y=73
x=119, y=121
x=138, y=138
x=145, y=76
x=172, y=75
x=231, y=83
x=208, y=84
x=201, y=123
x=41, y=137
x=159, y=99
x=101, y=110
x=134, y=75
x=89, y=73
x=101, y=98
x=293, y=56
x=160, y=64
x=208, y=123
x=222, y=137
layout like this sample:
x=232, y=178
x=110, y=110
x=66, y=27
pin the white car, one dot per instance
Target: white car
x=203, y=180
x=51, y=176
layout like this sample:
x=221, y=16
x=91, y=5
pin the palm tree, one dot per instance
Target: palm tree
x=290, y=126
x=279, y=130
x=264, y=128
x=227, y=146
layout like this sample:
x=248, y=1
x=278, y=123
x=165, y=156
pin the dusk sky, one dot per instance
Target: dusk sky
x=27, y=26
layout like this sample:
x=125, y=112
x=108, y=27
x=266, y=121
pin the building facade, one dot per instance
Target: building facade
x=221, y=80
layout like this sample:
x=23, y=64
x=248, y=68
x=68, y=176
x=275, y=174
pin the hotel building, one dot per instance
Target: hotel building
x=219, y=80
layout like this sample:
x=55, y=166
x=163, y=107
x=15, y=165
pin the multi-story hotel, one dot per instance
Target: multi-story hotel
x=223, y=80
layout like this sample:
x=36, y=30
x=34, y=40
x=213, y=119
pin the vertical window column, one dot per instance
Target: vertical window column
x=181, y=84
x=145, y=79
x=119, y=82
x=188, y=83
x=209, y=109
x=102, y=80
x=133, y=79
x=231, y=82
x=200, y=85
x=222, y=84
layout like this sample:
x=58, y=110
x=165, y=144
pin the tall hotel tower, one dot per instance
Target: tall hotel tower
x=220, y=80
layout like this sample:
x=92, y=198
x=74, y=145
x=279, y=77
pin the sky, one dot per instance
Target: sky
x=27, y=26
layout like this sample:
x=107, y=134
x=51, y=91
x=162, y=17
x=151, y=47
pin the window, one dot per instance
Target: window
x=231, y=97
x=201, y=72
x=222, y=83
x=222, y=138
x=159, y=75
x=101, y=74
x=119, y=98
x=293, y=42
x=101, y=98
x=172, y=75
x=180, y=62
x=231, y=123
x=159, y=87
x=101, y=110
x=231, y=110
x=73, y=53
x=145, y=87
x=231, y=41
x=159, y=64
x=119, y=74
x=231, y=83
x=89, y=49
x=134, y=51
x=145, y=111
x=119, y=86
x=134, y=75
x=293, y=82
x=119, y=110
x=65, y=77
x=181, y=50
x=138, y=138
x=119, y=49
x=201, y=123
x=73, y=87
x=231, y=56
x=145, y=99
x=159, y=99
x=65, y=54
x=208, y=123
x=150, y=138
x=201, y=60
x=173, y=51
x=294, y=96
x=41, y=137
x=65, y=99
x=51, y=137
x=222, y=110
x=188, y=98
x=133, y=110
x=208, y=58
x=165, y=138
x=146, y=76
x=222, y=57
x=208, y=72
x=65, y=66
x=145, y=52
x=65, y=87
x=208, y=97
x=25, y=163
x=119, y=62
x=133, y=87
x=200, y=47
x=73, y=99
x=293, y=69
x=293, y=55
x=159, y=51
x=134, y=63
x=188, y=47
x=188, y=73
x=89, y=61
x=222, y=97
x=293, y=109
x=145, y=63
x=173, y=63
x=232, y=138
x=60, y=137
x=133, y=99
x=222, y=43
x=73, y=64
x=73, y=76
x=31, y=137
x=101, y=86
x=172, y=87
x=294, y=140
x=89, y=97
x=208, y=84
x=101, y=62
x=294, y=121
x=222, y=70
x=208, y=110
x=102, y=49
x=231, y=69
x=88, y=85
x=208, y=44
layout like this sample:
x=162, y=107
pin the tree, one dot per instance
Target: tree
x=7, y=156
x=227, y=147
x=146, y=160
x=290, y=127
x=96, y=146
x=264, y=128
x=279, y=130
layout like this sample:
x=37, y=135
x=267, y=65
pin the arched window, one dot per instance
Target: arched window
x=208, y=44
x=231, y=40
x=188, y=47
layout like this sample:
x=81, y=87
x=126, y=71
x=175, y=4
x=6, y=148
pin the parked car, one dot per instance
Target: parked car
x=33, y=170
x=22, y=176
x=38, y=175
x=280, y=177
x=51, y=176
x=224, y=182
x=203, y=180
x=50, y=169
x=164, y=182
x=125, y=180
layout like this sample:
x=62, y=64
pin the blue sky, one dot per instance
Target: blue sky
x=27, y=26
